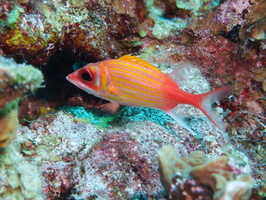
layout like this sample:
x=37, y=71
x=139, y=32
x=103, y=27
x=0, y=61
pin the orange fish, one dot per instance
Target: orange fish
x=131, y=81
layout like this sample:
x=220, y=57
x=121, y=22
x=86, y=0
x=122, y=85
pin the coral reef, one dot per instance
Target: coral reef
x=73, y=153
x=37, y=29
x=19, y=178
x=15, y=80
x=79, y=160
x=196, y=177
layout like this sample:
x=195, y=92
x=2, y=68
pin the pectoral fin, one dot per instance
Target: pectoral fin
x=113, y=90
x=181, y=120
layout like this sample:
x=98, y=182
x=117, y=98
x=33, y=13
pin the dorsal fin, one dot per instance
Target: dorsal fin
x=186, y=74
x=139, y=61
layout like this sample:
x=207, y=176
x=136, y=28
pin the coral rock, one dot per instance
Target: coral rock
x=217, y=179
x=16, y=79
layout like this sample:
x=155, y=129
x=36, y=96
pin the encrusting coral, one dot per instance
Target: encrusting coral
x=19, y=179
x=196, y=177
x=37, y=29
x=15, y=80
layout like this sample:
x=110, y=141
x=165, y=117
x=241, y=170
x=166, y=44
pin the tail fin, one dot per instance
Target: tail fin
x=211, y=97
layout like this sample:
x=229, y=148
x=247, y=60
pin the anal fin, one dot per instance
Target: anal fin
x=181, y=120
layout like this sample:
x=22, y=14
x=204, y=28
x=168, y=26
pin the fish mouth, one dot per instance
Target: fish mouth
x=71, y=80
x=67, y=77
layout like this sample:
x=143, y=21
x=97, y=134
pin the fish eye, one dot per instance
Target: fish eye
x=86, y=76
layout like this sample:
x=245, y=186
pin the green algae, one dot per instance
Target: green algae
x=142, y=114
x=13, y=17
x=12, y=105
x=142, y=33
x=93, y=117
x=127, y=114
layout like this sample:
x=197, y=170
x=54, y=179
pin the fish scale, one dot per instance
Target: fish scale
x=131, y=81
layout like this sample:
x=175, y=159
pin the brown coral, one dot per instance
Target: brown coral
x=216, y=179
x=33, y=31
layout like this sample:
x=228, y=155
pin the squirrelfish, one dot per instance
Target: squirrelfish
x=132, y=81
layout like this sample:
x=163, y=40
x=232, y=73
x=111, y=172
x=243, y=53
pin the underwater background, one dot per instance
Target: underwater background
x=58, y=142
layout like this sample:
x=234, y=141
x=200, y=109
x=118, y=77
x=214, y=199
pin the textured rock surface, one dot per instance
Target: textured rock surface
x=80, y=161
x=37, y=29
x=19, y=178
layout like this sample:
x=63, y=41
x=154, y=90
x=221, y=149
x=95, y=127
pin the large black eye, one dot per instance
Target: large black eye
x=86, y=76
